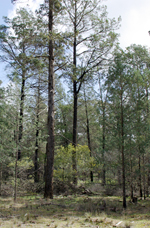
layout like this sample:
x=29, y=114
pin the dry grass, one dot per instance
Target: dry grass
x=73, y=212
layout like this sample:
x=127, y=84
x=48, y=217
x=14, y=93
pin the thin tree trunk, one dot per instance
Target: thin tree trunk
x=103, y=132
x=50, y=141
x=16, y=169
x=103, y=151
x=148, y=184
x=21, y=114
x=88, y=133
x=140, y=178
x=122, y=152
x=131, y=179
x=16, y=161
x=139, y=147
x=147, y=136
x=131, y=174
x=36, y=165
x=119, y=171
x=75, y=97
x=148, y=179
x=21, y=108
x=65, y=126
x=74, y=162
x=144, y=187
x=1, y=168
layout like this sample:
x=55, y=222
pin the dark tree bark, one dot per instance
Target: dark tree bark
x=16, y=138
x=103, y=151
x=36, y=165
x=21, y=113
x=1, y=168
x=139, y=145
x=103, y=104
x=74, y=162
x=16, y=171
x=122, y=153
x=119, y=171
x=140, y=177
x=144, y=185
x=147, y=136
x=21, y=106
x=50, y=141
x=131, y=173
x=75, y=103
x=88, y=132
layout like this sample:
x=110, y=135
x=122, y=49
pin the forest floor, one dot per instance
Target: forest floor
x=73, y=211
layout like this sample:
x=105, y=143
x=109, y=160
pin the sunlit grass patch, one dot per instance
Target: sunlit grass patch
x=73, y=212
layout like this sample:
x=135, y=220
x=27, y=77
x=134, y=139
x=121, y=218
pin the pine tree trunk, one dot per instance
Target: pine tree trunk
x=122, y=152
x=15, y=188
x=16, y=139
x=148, y=184
x=36, y=165
x=103, y=151
x=50, y=141
x=1, y=168
x=139, y=146
x=119, y=156
x=75, y=97
x=144, y=186
x=103, y=132
x=16, y=171
x=88, y=133
x=21, y=114
x=131, y=179
x=74, y=162
x=147, y=134
x=140, y=177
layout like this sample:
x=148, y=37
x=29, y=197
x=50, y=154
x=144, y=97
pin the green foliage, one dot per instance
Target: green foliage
x=63, y=162
x=18, y=43
x=25, y=163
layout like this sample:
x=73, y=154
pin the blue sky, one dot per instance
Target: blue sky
x=5, y=7
x=135, y=22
